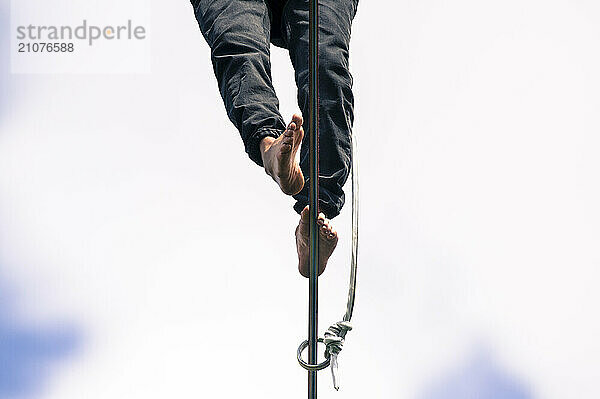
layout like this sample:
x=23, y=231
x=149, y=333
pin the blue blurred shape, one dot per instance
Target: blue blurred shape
x=27, y=353
x=478, y=378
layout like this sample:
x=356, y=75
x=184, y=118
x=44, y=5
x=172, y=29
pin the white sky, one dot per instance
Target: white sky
x=130, y=210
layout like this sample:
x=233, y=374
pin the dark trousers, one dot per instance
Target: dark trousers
x=239, y=33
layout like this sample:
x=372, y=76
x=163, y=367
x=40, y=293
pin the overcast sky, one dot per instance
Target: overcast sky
x=143, y=255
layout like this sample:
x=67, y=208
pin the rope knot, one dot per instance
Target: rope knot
x=334, y=337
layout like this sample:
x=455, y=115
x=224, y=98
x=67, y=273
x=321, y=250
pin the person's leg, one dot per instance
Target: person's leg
x=336, y=101
x=336, y=114
x=238, y=33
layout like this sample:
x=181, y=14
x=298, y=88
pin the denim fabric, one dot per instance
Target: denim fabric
x=239, y=33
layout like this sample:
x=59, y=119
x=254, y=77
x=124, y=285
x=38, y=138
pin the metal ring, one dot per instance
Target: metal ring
x=312, y=367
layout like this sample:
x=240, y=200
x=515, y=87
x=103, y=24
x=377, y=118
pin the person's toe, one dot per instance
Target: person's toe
x=323, y=231
x=332, y=235
x=299, y=136
x=297, y=119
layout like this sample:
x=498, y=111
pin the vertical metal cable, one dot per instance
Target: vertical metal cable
x=313, y=287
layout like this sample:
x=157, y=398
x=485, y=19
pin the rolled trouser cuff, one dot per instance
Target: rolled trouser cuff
x=253, y=142
x=330, y=205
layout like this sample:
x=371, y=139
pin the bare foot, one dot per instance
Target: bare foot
x=328, y=240
x=279, y=157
